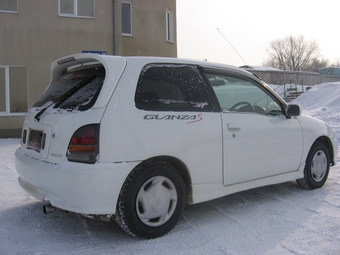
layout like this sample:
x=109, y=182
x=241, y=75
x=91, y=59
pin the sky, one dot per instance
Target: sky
x=249, y=26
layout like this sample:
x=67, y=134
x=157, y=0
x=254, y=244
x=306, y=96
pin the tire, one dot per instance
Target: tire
x=151, y=200
x=316, y=168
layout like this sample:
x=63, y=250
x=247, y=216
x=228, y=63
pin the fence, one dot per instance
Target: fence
x=281, y=77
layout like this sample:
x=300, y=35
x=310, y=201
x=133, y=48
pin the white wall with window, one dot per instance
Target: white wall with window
x=76, y=8
x=126, y=18
x=9, y=6
x=13, y=90
x=170, y=26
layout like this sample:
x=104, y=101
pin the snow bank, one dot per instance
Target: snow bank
x=322, y=102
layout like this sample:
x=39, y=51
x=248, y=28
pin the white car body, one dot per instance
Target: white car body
x=221, y=152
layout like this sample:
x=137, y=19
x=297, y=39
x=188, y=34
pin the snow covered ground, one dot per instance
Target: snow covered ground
x=278, y=219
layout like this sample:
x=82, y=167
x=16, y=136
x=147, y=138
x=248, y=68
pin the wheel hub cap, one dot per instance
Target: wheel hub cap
x=319, y=166
x=156, y=201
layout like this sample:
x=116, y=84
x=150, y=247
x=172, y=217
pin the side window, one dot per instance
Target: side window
x=236, y=94
x=9, y=6
x=126, y=18
x=172, y=87
x=169, y=26
x=13, y=90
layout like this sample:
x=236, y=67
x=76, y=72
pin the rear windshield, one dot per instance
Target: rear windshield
x=75, y=90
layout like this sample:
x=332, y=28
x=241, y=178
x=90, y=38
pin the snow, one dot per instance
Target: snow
x=278, y=219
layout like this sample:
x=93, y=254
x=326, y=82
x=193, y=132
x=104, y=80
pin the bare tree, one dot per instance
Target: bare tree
x=292, y=53
x=337, y=64
x=314, y=64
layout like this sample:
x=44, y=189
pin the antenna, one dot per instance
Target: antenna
x=232, y=46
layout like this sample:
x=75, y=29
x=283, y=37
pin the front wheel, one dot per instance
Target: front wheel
x=316, y=168
x=151, y=200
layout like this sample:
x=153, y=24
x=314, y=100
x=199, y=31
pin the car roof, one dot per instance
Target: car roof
x=147, y=59
x=202, y=63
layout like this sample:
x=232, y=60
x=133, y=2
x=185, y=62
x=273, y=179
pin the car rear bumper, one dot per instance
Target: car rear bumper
x=75, y=187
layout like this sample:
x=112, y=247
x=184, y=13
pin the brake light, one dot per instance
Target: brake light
x=84, y=145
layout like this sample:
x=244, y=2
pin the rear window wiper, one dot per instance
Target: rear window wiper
x=65, y=96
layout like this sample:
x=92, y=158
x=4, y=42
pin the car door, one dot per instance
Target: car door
x=258, y=139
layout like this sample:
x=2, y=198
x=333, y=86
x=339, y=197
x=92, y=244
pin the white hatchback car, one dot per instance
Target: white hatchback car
x=136, y=138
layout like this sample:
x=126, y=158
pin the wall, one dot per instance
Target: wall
x=334, y=71
x=149, y=29
x=36, y=35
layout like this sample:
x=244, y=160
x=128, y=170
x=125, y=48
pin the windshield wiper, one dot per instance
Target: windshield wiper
x=65, y=96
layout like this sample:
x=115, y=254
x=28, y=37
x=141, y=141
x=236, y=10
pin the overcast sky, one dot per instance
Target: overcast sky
x=250, y=25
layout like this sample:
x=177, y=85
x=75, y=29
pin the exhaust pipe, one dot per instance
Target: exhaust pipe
x=48, y=208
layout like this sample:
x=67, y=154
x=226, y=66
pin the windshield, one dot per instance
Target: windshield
x=80, y=99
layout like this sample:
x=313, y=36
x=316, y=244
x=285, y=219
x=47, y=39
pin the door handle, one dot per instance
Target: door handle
x=233, y=127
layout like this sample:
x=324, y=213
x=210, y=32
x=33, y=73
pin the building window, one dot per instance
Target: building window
x=9, y=6
x=126, y=18
x=13, y=90
x=76, y=8
x=169, y=26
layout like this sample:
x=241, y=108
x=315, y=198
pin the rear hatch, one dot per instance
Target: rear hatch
x=68, y=114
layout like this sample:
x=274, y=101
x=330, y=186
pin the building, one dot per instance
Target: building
x=36, y=32
x=331, y=71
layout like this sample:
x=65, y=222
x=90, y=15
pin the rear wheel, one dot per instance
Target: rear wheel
x=316, y=168
x=151, y=200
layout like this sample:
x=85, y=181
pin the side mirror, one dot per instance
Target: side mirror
x=293, y=110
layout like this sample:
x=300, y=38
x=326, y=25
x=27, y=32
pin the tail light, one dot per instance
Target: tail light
x=84, y=145
x=24, y=135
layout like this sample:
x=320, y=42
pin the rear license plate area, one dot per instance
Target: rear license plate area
x=36, y=140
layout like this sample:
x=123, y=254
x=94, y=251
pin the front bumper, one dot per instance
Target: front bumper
x=75, y=187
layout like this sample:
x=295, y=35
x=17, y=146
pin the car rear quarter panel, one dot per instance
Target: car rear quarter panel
x=128, y=135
